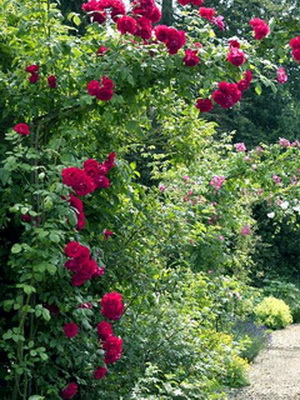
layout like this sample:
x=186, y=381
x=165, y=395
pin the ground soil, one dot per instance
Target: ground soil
x=275, y=374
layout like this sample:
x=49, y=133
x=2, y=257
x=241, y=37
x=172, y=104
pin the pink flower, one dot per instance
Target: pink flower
x=284, y=142
x=244, y=83
x=86, y=306
x=240, y=147
x=217, y=182
x=112, y=306
x=22, y=129
x=204, y=105
x=260, y=28
x=100, y=373
x=246, y=230
x=276, y=179
x=281, y=75
x=71, y=330
x=219, y=22
x=69, y=391
x=162, y=188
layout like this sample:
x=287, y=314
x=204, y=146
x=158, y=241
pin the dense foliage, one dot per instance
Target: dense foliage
x=127, y=225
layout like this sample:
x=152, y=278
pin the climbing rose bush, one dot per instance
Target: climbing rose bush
x=83, y=97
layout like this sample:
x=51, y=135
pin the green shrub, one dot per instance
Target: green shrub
x=286, y=291
x=274, y=313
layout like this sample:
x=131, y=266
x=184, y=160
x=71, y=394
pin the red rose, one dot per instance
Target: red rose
x=103, y=91
x=191, y=59
x=260, y=28
x=102, y=50
x=69, y=391
x=77, y=250
x=107, y=234
x=234, y=43
x=207, y=13
x=112, y=305
x=127, y=25
x=52, y=82
x=175, y=40
x=244, y=84
x=100, y=373
x=79, y=181
x=71, y=330
x=103, y=182
x=227, y=95
x=144, y=29
x=104, y=330
x=26, y=218
x=32, y=69
x=113, y=349
x=295, y=45
x=93, y=88
x=204, y=105
x=34, y=78
x=161, y=32
x=236, y=57
x=92, y=168
x=22, y=129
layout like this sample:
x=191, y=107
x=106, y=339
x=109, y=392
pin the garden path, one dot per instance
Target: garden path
x=275, y=374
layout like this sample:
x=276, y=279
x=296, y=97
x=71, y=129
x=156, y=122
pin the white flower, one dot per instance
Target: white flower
x=284, y=205
x=271, y=214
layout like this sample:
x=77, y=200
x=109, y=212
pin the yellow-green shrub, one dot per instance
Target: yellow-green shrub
x=273, y=313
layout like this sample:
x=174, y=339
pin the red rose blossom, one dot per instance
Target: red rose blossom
x=295, y=45
x=191, y=58
x=112, y=305
x=234, y=43
x=207, y=12
x=76, y=250
x=78, y=180
x=100, y=373
x=34, y=78
x=260, y=28
x=204, y=105
x=32, y=68
x=52, y=82
x=22, y=129
x=244, y=83
x=102, y=50
x=104, y=330
x=127, y=25
x=113, y=349
x=69, y=391
x=227, y=95
x=102, y=90
x=26, y=218
x=236, y=57
x=71, y=330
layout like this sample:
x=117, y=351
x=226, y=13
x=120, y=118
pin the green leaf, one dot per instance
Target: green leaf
x=17, y=248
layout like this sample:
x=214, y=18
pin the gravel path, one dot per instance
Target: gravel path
x=275, y=374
